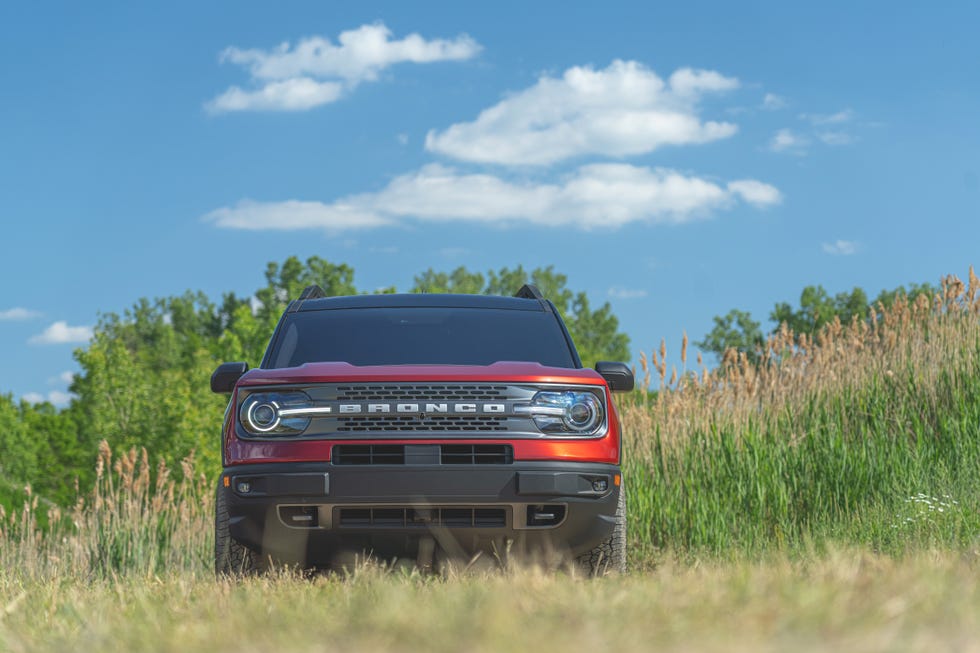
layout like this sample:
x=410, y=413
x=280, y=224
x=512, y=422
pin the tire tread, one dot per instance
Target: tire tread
x=610, y=554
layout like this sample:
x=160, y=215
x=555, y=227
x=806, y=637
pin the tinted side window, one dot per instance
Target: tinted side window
x=401, y=336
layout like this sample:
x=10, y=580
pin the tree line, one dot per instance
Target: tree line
x=817, y=308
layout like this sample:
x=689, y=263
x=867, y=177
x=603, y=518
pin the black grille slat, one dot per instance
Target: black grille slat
x=365, y=423
x=477, y=454
x=489, y=517
x=387, y=517
x=419, y=518
x=420, y=391
x=369, y=454
x=449, y=454
x=451, y=517
x=356, y=516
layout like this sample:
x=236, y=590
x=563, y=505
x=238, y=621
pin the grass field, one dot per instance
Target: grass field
x=840, y=601
x=824, y=497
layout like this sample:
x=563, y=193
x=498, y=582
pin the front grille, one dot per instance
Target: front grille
x=477, y=454
x=449, y=454
x=405, y=392
x=409, y=517
x=406, y=411
x=427, y=423
x=369, y=454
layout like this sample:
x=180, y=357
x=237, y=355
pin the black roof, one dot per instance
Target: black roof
x=422, y=300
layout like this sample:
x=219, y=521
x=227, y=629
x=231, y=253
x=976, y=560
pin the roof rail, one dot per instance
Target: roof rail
x=529, y=291
x=312, y=292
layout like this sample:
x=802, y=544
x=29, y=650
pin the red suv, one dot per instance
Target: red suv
x=422, y=426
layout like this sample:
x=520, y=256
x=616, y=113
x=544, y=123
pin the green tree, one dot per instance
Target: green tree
x=287, y=281
x=460, y=281
x=144, y=381
x=887, y=297
x=736, y=330
x=19, y=461
x=595, y=332
x=62, y=459
x=817, y=308
x=41, y=448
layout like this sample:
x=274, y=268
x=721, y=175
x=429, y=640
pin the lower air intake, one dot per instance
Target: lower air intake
x=411, y=518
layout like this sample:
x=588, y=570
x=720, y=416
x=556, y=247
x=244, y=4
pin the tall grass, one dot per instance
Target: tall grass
x=866, y=434
x=830, y=437
x=127, y=525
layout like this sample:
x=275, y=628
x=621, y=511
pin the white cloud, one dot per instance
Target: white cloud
x=691, y=83
x=606, y=195
x=59, y=398
x=617, y=292
x=60, y=333
x=294, y=214
x=829, y=118
x=55, y=397
x=17, y=313
x=840, y=248
x=361, y=54
x=772, y=102
x=826, y=128
x=402, y=138
x=755, y=192
x=624, y=109
x=65, y=378
x=316, y=71
x=785, y=140
x=298, y=94
x=835, y=138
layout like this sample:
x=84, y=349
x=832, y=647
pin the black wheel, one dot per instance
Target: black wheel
x=610, y=555
x=230, y=557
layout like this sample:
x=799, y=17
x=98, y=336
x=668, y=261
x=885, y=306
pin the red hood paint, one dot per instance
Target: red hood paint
x=504, y=371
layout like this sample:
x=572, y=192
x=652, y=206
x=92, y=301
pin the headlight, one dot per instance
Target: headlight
x=571, y=413
x=276, y=413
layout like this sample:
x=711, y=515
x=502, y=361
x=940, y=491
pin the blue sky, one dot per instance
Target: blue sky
x=676, y=161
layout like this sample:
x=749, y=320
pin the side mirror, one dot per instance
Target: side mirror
x=618, y=375
x=226, y=376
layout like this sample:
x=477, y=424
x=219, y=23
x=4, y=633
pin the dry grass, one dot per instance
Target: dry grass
x=137, y=520
x=927, y=338
x=843, y=601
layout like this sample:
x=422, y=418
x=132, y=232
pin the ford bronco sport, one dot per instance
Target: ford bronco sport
x=419, y=426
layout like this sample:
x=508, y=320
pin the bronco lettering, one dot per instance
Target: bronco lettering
x=464, y=408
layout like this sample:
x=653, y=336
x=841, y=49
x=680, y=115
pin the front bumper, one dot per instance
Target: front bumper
x=310, y=513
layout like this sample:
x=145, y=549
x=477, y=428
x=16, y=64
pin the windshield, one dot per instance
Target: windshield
x=420, y=335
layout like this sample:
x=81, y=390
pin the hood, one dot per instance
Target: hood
x=500, y=372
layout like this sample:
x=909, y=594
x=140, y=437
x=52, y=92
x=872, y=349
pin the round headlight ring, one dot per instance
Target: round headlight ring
x=579, y=413
x=582, y=412
x=255, y=412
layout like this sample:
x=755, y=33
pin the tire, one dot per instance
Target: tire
x=231, y=559
x=610, y=555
